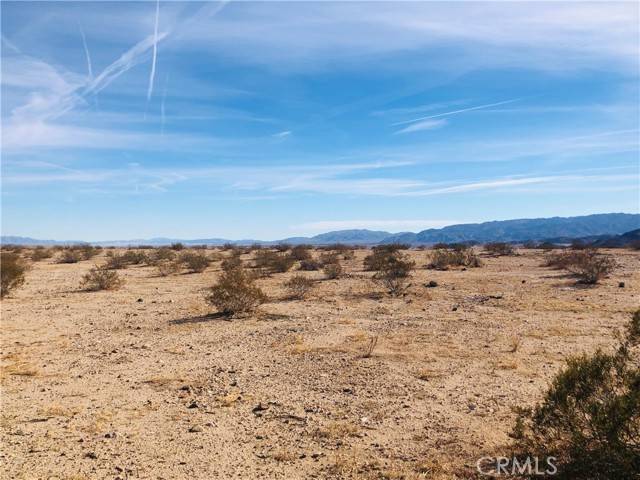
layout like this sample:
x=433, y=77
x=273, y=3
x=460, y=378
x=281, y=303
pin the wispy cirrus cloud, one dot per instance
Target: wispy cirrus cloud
x=423, y=125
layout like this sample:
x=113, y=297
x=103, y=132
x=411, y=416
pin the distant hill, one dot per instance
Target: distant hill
x=599, y=227
x=617, y=241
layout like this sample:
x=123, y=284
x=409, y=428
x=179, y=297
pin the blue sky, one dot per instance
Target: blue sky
x=267, y=119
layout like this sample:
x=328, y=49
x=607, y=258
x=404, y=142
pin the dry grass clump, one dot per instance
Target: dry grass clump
x=12, y=271
x=442, y=259
x=101, y=278
x=588, y=265
x=589, y=419
x=196, y=262
x=69, y=255
x=299, y=286
x=500, y=249
x=332, y=271
x=236, y=292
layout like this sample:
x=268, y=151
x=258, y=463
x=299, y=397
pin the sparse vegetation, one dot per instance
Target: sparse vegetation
x=196, y=262
x=40, y=253
x=590, y=416
x=160, y=255
x=301, y=252
x=101, y=278
x=393, y=270
x=273, y=262
x=500, y=249
x=332, y=270
x=235, y=293
x=443, y=259
x=299, y=286
x=69, y=255
x=177, y=246
x=167, y=267
x=12, y=271
x=588, y=265
x=310, y=265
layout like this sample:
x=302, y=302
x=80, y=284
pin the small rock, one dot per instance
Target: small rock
x=195, y=429
x=139, y=300
x=91, y=455
x=259, y=408
x=621, y=285
x=455, y=308
x=431, y=284
x=193, y=404
x=316, y=455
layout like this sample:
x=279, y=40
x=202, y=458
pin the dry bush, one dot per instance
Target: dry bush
x=195, y=261
x=236, y=292
x=167, y=267
x=500, y=249
x=299, y=286
x=100, y=278
x=177, y=246
x=229, y=263
x=328, y=258
x=69, y=255
x=310, y=265
x=301, y=252
x=160, y=255
x=116, y=261
x=40, y=253
x=282, y=247
x=394, y=272
x=332, y=270
x=273, y=262
x=588, y=265
x=135, y=257
x=371, y=345
x=87, y=252
x=12, y=270
x=442, y=259
x=589, y=419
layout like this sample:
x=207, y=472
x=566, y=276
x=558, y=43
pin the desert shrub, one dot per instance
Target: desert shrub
x=310, y=265
x=273, y=262
x=12, y=270
x=441, y=259
x=590, y=268
x=301, y=252
x=87, y=252
x=165, y=268
x=160, y=255
x=235, y=292
x=394, y=271
x=135, y=257
x=195, y=261
x=332, y=270
x=282, y=247
x=375, y=260
x=69, y=255
x=177, y=246
x=588, y=265
x=589, y=419
x=229, y=263
x=116, y=261
x=500, y=248
x=299, y=286
x=101, y=278
x=40, y=253
x=328, y=258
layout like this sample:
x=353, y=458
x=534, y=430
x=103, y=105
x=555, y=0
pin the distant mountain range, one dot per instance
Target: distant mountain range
x=599, y=227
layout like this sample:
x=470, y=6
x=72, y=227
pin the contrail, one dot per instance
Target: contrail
x=155, y=52
x=478, y=107
x=86, y=52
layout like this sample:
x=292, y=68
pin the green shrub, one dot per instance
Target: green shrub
x=12, y=271
x=235, y=292
x=135, y=257
x=589, y=419
x=101, y=278
x=394, y=272
x=177, y=246
x=273, y=262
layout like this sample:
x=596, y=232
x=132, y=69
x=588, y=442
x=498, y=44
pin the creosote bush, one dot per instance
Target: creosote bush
x=160, y=255
x=12, y=270
x=273, y=262
x=587, y=265
x=69, y=256
x=167, y=267
x=332, y=270
x=310, y=265
x=589, y=418
x=442, y=259
x=301, y=252
x=196, y=262
x=116, y=261
x=40, y=253
x=394, y=271
x=500, y=248
x=101, y=278
x=299, y=286
x=236, y=292
x=229, y=263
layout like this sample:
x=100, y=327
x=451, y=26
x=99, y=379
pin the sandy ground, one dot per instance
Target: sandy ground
x=143, y=383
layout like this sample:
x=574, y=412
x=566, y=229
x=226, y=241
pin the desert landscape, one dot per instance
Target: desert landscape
x=342, y=378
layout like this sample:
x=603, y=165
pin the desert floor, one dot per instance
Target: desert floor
x=144, y=382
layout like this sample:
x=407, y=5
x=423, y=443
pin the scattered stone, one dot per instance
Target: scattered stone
x=193, y=404
x=91, y=455
x=195, y=429
x=316, y=455
x=621, y=285
x=431, y=284
x=259, y=408
x=455, y=308
x=139, y=300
